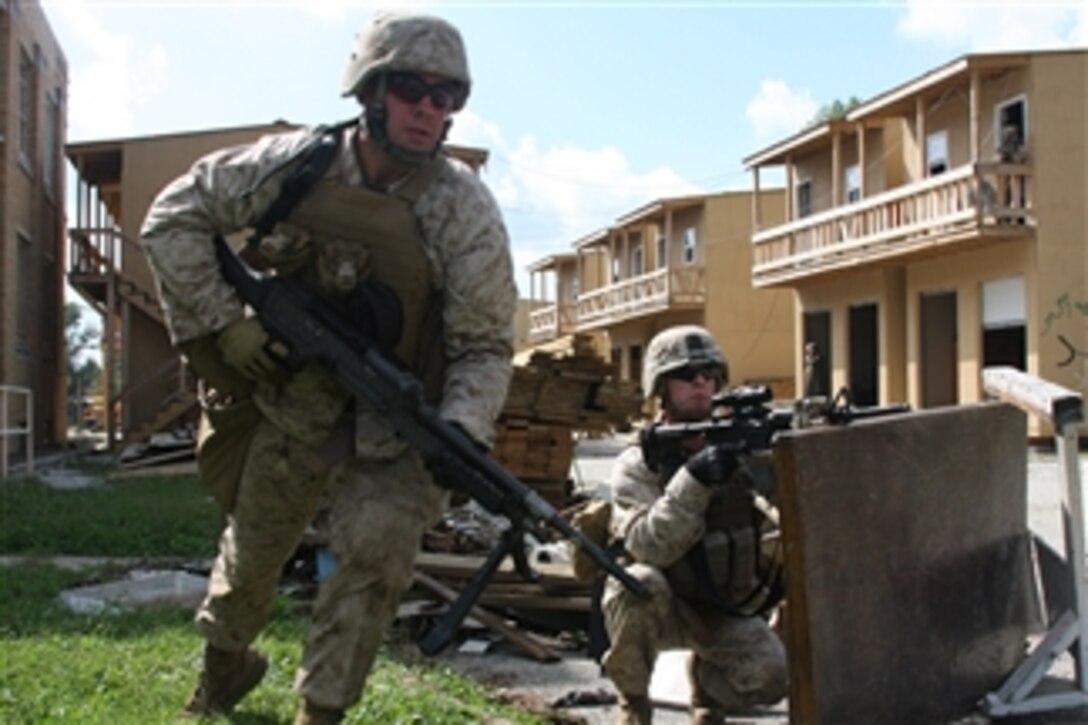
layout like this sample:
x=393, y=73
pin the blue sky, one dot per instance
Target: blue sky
x=589, y=110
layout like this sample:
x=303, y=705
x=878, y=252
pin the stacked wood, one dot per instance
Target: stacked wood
x=556, y=590
x=534, y=450
x=573, y=387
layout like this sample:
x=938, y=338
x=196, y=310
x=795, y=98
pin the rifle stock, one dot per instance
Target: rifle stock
x=311, y=329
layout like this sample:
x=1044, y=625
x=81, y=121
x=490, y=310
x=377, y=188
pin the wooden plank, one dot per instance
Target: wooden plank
x=463, y=566
x=525, y=642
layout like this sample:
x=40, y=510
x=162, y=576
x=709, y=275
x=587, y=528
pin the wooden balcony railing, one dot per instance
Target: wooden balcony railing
x=551, y=321
x=968, y=202
x=662, y=289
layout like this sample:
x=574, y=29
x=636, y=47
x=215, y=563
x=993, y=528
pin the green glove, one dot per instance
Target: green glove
x=207, y=362
x=242, y=343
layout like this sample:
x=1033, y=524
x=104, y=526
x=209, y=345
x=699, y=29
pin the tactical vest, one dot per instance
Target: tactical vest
x=355, y=234
x=736, y=567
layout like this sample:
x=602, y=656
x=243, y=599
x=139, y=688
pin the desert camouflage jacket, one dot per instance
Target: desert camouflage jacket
x=461, y=232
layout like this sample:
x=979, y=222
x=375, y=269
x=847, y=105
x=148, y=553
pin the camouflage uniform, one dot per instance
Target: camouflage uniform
x=739, y=661
x=381, y=499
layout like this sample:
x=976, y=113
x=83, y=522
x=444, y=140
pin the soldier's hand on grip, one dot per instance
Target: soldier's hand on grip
x=243, y=345
x=714, y=465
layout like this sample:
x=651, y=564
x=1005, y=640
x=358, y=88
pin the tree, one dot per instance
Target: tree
x=834, y=111
x=84, y=372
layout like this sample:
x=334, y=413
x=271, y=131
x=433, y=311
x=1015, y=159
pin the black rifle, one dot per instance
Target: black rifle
x=743, y=422
x=312, y=329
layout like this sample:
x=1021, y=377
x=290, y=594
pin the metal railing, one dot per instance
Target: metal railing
x=7, y=431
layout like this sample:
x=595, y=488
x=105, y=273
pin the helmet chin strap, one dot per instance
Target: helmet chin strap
x=375, y=116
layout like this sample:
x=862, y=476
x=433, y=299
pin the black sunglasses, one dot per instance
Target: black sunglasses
x=410, y=88
x=688, y=373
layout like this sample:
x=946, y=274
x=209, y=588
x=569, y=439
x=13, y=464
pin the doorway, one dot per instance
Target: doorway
x=864, y=353
x=817, y=353
x=938, y=336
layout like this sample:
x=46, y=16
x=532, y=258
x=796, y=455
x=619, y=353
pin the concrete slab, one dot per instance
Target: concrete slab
x=141, y=588
x=66, y=479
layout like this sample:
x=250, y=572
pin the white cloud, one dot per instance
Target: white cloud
x=993, y=27
x=115, y=78
x=778, y=110
x=580, y=190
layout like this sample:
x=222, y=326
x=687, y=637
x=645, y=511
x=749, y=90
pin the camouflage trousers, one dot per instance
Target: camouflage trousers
x=378, y=513
x=740, y=661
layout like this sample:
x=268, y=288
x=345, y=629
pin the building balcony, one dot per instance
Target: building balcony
x=551, y=321
x=676, y=288
x=967, y=205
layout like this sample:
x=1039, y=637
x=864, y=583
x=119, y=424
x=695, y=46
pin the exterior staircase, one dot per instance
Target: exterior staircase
x=96, y=272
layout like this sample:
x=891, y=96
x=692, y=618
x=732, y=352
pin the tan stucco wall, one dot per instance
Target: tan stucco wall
x=754, y=327
x=882, y=286
x=1058, y=151
x=964, y=274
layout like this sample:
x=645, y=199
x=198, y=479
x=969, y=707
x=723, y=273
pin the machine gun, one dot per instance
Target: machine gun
x=744, y=422
x=312, y=329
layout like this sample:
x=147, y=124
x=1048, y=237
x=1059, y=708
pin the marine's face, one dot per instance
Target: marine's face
x=689, y=393
x=417, y=108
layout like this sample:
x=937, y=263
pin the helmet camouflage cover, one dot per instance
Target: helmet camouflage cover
x=678, y=347
x=399, y=42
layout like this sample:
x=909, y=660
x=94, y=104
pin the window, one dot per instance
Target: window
x=852, y=183
x=636, y=261
x=574, y=290
x=804, y=198
x=1004, y=323
x=937, y=153
x=24, y=295
x=662, y=248
x=26, y=102
x=1011, y=126
x=615, y=269
x=690, y=242
x=51, y=147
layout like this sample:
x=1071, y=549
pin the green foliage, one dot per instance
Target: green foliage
x=83, y=373
x=154, y=516
x=834, y=111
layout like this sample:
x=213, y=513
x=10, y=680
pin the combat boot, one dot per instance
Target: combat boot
x=311, y=714
x=634, y=710
x=705, y=710
x=227, y=678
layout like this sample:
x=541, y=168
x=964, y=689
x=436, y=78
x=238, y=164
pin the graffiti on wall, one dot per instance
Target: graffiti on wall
x=1068, y=310
x=1065, y=308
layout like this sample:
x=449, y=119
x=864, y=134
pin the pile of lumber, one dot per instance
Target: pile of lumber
x=555, y=395
x=572, y=387
x=445, y=576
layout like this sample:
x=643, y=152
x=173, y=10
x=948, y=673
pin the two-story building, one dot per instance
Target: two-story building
x=33, y=103
x=150, y=389
x=940, y=228
x=681, y=260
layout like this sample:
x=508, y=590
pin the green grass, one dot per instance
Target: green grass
x=137, y=517
x=140, y=666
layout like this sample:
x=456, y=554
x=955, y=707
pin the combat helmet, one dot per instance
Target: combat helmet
x=678, y=347
x=395, y=42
